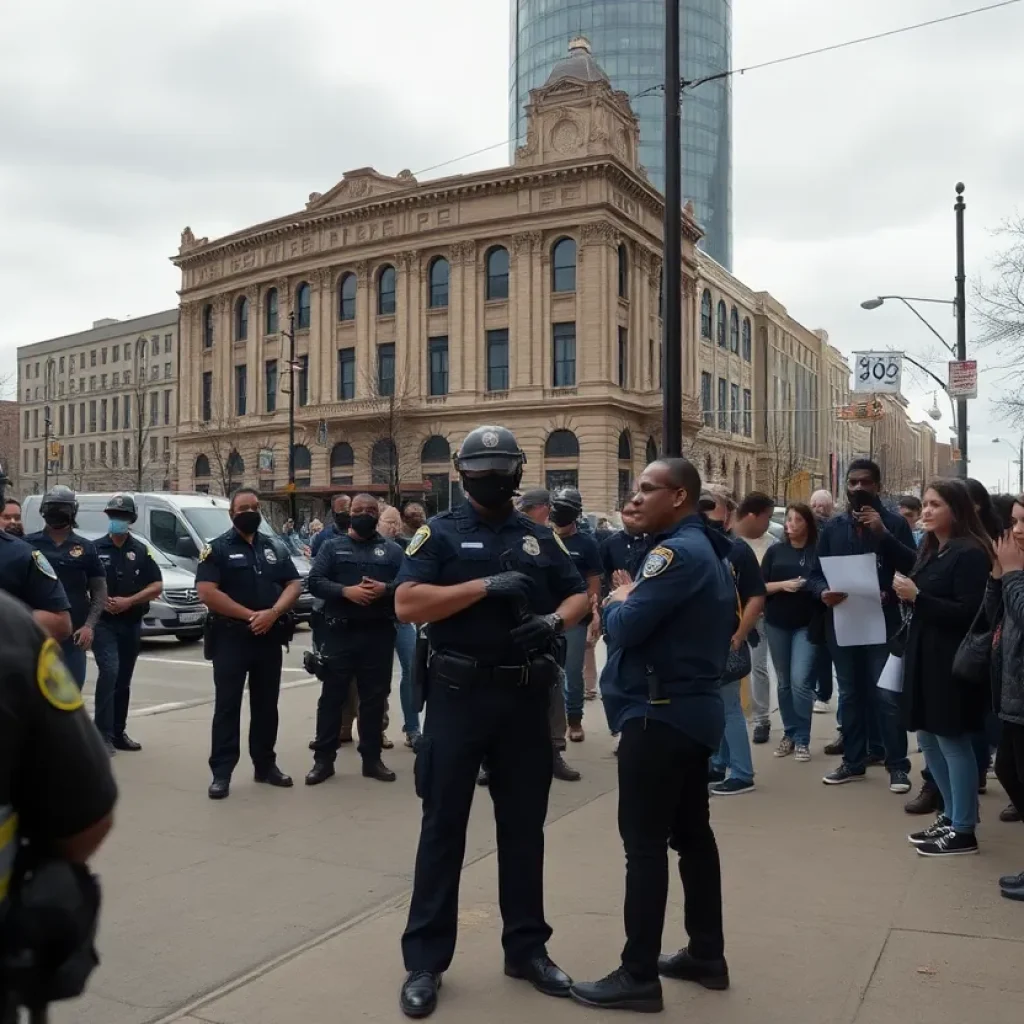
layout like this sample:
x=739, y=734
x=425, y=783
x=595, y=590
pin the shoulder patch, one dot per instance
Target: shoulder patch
x=42, y=563
x=657, y=562
x=531, y=545
x=205, y=553
x=55, y=681
x=419, y=538
x=560, y=543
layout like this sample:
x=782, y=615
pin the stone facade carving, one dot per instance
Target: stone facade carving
x=463, y=252
x=599, y=233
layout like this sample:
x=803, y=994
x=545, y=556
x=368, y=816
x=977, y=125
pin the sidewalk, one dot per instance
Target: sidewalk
x=288, y=906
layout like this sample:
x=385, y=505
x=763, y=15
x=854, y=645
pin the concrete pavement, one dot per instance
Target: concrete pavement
x=280, y=906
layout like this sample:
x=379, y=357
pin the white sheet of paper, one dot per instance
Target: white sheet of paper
x=859, y=620
x=891, y=678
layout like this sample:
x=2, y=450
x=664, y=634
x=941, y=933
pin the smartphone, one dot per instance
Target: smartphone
x=859, y=500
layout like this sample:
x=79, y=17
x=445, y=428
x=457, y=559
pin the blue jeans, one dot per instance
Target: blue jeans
x=954, y=767
x=734, y=754
x=116, y=646
x=863, y=705
x=575, y=651
x=74, y=658
x=794, y=658
x=405, y=648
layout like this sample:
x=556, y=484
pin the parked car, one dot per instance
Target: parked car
x=177, y=525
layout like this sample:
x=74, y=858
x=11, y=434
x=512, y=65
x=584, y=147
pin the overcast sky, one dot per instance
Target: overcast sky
x=121, y=122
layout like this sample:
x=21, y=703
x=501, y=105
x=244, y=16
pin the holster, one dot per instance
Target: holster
x=209, y=637
x=655, y=688
x=283, y=630
x=421, y=671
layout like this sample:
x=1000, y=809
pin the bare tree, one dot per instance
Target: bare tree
x=394, y=447
x=783, y=458
x=222, y=444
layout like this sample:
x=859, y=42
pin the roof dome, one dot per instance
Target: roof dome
x=579, y=65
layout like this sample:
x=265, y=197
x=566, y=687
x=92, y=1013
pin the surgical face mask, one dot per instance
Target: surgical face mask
x=491, y=491
x=365, y=524
x=342, y=520
x=562, y=516
x=118, y=527
x=247, y=522
x=58, y=518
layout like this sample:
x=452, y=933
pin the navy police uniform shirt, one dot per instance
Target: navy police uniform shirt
x=586, y=556
x=623, y=551
x=329, y=532
x=460, y=545
x=254, y=575
x=343, y=562
x=129, y=569
x=76, y=563
x=678, y=621
x=28, y=576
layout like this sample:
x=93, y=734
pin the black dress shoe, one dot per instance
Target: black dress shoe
x=712, y=974
x=320, y=772
x=378, y=770
x=483, y=777
x=219, y=789
x=419, y=994
x=563, y=771
x=620, y=991
x=273, y=776
x=125, y=742
x=543, y=974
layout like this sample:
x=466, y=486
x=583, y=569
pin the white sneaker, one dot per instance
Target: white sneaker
x=802, y=753
x=821, y=707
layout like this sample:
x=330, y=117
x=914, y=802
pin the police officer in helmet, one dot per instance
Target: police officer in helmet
x=496, y=591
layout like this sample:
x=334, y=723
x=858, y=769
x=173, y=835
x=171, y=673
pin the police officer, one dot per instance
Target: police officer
x=496, y=590
x=249, y=587
x=56, y=788
x=28, y=576
x=79, y=569
x=133, y=580
x=354, y=575
x=668, y=636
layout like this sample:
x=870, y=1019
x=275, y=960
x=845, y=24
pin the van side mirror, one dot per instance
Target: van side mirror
x=186, y=548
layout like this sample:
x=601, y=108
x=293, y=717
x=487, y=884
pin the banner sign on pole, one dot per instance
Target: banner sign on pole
x=879, y=372
x=963, y=379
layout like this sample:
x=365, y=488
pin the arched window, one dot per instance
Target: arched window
x=208, y=326
x=386, y=291
x=270, y=311
x=734, y=331
x=241, y=319
x=652, y=450
x=342, y=461
x=563, y=265
x=202, y=467
x=347, y=297
x=383, y=461
x=746, y=339
x=302, y=461
x=438, y=275
x=625, y=447
x=497, y=273
x=561, y=444
x=705, y=314
x=623, y=273
x=236, y=470
x=436, y=449
x=721, y=323
x=303, y=316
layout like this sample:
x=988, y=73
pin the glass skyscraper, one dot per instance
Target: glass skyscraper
x=627, y=40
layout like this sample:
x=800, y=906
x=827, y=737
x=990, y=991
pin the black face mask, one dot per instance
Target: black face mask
x=16, y=530
x=57, y=518
x=247, y=523
x=563, y=516
x=365, y=525
x=342, y=520
x=491, y=491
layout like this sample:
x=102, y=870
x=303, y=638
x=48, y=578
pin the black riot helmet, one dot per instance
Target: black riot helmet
x=493, y=456
x=568, y=498
x=122, y=506
x=59, y=497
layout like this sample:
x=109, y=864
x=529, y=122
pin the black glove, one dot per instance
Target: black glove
x=514, y=585
x=536, y=631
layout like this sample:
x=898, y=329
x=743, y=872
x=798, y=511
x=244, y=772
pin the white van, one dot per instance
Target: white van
x=179, y=525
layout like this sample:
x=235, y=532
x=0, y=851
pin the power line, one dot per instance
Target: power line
x=768, y=64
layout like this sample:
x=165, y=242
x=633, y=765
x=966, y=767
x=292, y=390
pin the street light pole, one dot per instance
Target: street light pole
x=1019, y=460
x=672, y=423
x=47, y=422
x=961, y=325
x=290, y=335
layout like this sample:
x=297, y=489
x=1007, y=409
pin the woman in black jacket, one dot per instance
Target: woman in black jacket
x=946, y=590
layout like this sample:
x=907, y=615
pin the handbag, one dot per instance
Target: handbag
x=738, y=662
x=972, y=663
x=897, y=643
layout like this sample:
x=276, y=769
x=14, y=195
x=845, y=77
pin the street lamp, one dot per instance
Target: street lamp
x=1019, y=460
x=880, y=300
x=672, y=325
x=48, y=372
x=292, y=365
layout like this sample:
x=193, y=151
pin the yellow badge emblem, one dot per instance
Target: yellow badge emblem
x=54, y=679
x=561, y=544
x=419, y=538
x=43, y=564
x=657, y=562
x=205, y=553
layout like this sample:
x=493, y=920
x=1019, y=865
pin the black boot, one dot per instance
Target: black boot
x=320, y=772
x=563, y=771
x=927, y=801
x=378, y=770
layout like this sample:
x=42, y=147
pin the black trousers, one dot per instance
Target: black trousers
x=509, y=726
x=362, y=653
x=1010, y=763
x=663, y=802
x=234, y=660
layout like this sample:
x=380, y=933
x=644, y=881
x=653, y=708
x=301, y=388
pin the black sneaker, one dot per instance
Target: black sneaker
x=620, y=991
x=563, y=771
x=937, y=828
x=732, y=787
x=844, y=773
x=836, y=747
x=899, y=781
x=950, y=844
x=762, y=731
x=1009, y=813
x=1012, y=881
x=715, y=775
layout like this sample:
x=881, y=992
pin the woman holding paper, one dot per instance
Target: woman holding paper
x=945, y=591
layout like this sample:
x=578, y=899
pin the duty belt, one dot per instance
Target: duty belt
x=458, y=668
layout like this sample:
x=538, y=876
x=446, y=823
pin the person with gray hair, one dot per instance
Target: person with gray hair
x=823, y=506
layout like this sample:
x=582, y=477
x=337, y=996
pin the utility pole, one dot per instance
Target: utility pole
x=961, y=326
x=672, y=340
x=290, y=335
